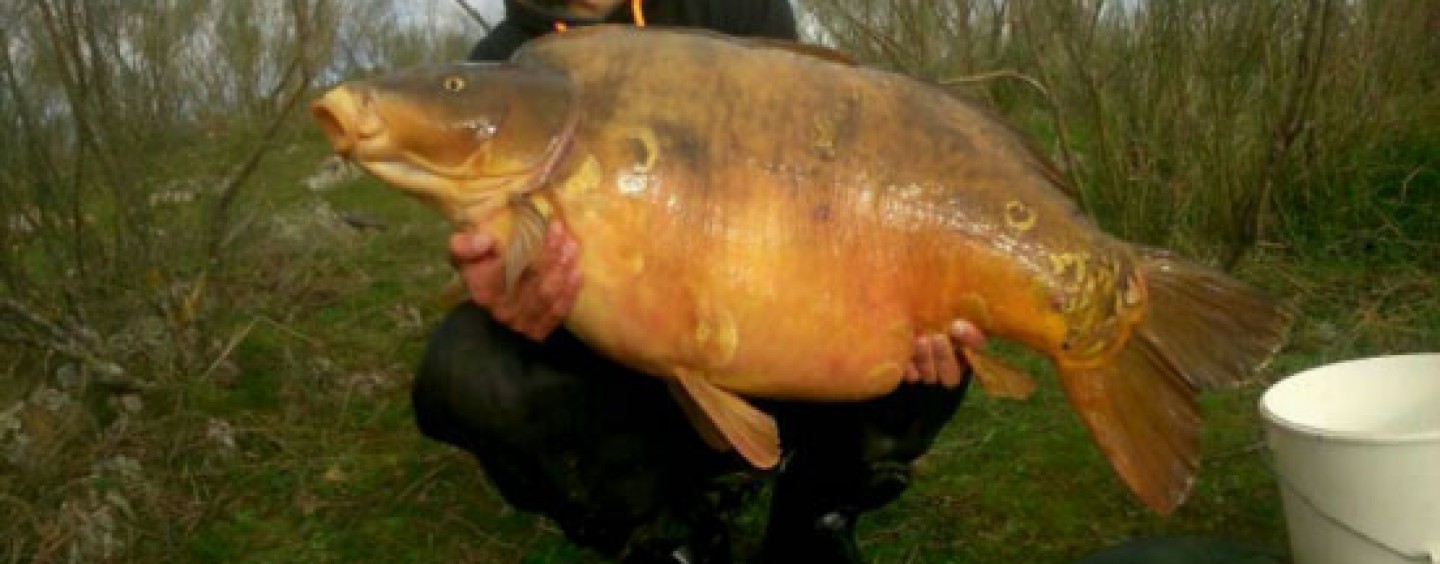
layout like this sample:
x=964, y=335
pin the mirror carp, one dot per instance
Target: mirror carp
x=762, y=219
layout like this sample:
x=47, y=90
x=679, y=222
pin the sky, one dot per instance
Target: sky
x=493, y=10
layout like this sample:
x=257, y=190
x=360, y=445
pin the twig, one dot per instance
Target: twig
x=288, y=330
x=423, y=480
x=62, y=342
x=229, y=347
x=475, y=15
x=25, y=506
x=888, y=45
x=232, y=185
x=1250, y=448
x=34, y=319
x=1292, y=124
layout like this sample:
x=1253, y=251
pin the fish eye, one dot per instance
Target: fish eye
x=454, y=83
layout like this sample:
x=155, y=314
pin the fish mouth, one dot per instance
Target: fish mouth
x=344, y=116
x=404, y=173
x=358, y=133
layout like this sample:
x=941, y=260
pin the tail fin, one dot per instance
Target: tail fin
x=1204, y=329
x=1215, y=329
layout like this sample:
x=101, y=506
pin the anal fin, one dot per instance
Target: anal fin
x=752, y=432
x=999, y=379
x=703, y=426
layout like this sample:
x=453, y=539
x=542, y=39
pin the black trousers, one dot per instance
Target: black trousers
x=608, y=454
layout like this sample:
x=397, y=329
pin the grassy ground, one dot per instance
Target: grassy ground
x=263, y=413
x=295, y=442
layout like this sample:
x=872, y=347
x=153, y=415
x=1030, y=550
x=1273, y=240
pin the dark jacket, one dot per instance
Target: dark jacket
x=758, y=18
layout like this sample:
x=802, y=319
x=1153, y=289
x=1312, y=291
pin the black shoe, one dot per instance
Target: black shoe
x=828, y=539
x=693, y=539
x=887, y=480
x=683, y=554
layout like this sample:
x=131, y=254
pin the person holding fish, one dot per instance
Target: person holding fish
x=606, y=451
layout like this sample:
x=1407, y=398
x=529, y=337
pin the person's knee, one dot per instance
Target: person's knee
x=902, y=426
x=472, y=379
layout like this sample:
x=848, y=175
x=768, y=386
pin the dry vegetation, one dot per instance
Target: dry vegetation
x=206, y=332
x=1213, y=126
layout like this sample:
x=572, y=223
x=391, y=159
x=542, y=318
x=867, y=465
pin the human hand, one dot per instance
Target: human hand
x=936, y=359
x=543, y=295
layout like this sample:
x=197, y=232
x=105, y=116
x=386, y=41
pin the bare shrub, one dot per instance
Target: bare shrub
x=131, y=138
x=1206, y=125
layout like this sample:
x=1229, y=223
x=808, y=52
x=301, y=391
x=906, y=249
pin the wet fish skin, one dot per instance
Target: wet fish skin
x=758, y=221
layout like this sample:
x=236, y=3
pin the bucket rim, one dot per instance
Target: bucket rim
x=1360, y=437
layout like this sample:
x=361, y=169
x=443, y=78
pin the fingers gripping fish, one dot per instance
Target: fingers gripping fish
x=767, y=220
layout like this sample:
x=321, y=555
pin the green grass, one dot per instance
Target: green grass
x=324, y=463
x=278, y=427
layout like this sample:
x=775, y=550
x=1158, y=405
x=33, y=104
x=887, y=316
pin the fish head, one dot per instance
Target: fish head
x=463, y=137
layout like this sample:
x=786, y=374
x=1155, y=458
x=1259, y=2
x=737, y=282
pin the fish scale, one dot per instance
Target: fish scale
x=761, y=219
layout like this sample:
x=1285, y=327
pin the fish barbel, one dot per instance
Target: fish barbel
x=761, y=219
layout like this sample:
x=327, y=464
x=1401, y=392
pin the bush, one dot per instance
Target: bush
x=131, y=136
x=1209, y=126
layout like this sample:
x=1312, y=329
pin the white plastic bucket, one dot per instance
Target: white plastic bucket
x=1357, y=453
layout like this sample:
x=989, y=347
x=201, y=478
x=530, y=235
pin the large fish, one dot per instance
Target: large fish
x=767, y=219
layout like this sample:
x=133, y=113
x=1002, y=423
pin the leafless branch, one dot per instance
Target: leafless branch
x=475, y=15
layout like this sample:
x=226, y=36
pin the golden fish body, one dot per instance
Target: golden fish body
x=760, y=221
x=795, y=248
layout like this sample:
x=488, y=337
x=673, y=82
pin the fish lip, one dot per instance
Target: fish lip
x=470, y=192
x=347, y=118
x=412, y=174
x=362, y=138
x=397, y=168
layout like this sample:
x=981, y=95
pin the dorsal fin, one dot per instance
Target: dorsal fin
x=807, y=49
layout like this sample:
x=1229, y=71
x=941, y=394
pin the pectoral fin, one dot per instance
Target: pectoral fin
x=999, y=379
x=525, y=241
x=752, y=432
